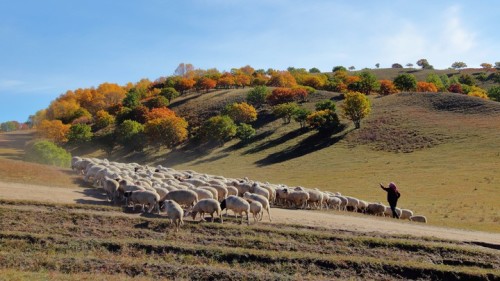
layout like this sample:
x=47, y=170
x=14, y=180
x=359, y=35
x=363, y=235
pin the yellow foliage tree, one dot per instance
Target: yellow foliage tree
x=168, y=131
x=242, y=112
x=355, y=107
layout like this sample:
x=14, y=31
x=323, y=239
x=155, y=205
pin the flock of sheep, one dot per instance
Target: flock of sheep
x=188, y=193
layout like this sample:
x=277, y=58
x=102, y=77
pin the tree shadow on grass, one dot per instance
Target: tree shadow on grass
x=310, y=144
x=243, y=144
x=286, y=137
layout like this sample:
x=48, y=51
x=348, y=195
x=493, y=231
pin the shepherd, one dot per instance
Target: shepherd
x=392, y=197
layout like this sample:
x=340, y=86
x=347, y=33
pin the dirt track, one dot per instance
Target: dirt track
x=332, y=220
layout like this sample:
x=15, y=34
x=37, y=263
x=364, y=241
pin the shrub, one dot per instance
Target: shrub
x=79, y=133
x=241, y=112
x=257, y=96
x=467, y=79
x=494, y=93
x=387, y=88
x=456, y=88
x=324, y=121
x=426, y=87
x=325, y=105
x=245, y=132
x=46, y=152
x=475, y=91
x=285, y=111
x=219, y=128
x=405, y=82
x=130, y=134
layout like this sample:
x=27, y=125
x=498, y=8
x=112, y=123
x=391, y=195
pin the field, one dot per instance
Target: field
x=441, y=149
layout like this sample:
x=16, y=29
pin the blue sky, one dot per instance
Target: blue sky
x=51, y=46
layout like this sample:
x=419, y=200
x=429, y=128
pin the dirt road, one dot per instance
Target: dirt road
x=333, y=220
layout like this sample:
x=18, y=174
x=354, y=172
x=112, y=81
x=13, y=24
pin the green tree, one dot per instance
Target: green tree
x=130, y=134
x=245, y=132
x=424, y=64
x=367, y=84
x=169, y=93
x=355, y=107
x=339, y=67
x=494, y=93
x=405, y=82
x=300, y=116
x=325, y=121
x=396, y=65
x=103, y=119
x=314, y=70
x=132, y=99
x=9, y=126
x=445, y=80
x=285, y=111
x=79, y=133
x=436, y=80
x=458, y=65
x=325, y=104
x=46, y=152
x=467, y=79
x=257, y=96
x=377, y=65
x=219, y=128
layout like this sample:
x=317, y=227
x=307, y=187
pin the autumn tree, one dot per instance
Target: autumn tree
x=368, y=83
x=280, y=95
x=53, y=130
x=65, y=110
x=282, y=79
x=241, y=112
x=456, y=88
x=156, y=102
x=405, y=82
x=242, y=80
x=112, y=94
x=325, y=121
x=285, y=111
x=160, y=112
x=184, y=84
x=169, y=131
x=475, y=91
x=426, y=87
x=257, y=96
x=205, y=83
x=387, y=88
x=103, y=119
x=355, y=107
x=226, y=81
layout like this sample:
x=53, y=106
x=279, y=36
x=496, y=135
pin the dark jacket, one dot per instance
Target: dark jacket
x=392, y=195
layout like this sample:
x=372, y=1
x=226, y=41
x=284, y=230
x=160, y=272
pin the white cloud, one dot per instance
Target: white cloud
x=7, y=84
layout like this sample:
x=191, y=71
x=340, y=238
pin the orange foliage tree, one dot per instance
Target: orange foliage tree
x=53, y=130
x=426, y=87
x=241, y=112
x=184, y=84
x=282, y=79
x=226, y=81
x=242, y=80
x=205, y=83
x=65, y=110
x=387, y=87
x=168, y=131
x=112, y=93
x=160, y=112
x=283, y=95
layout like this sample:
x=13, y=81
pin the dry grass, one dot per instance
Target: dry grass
x=56, y=241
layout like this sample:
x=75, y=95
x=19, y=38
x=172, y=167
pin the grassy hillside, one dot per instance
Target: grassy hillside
x=83, y=242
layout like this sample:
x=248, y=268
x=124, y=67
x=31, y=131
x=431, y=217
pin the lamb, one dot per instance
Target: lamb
x=263, y=200
x=174, y=213
x=257, y=210
x=405, y=214
x=209, y=206
x=419, y=218
x=144, y=197
x=376, y=209
x=183, y=197
x=238, y=205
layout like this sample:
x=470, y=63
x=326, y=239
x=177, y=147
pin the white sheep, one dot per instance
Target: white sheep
x=405, y=214
x=334, y=202
x=315, y=198
x=209, y=206
x=238, y=205
x=183, y=197
x=352, y=202
x=231, y=190
x=203, y=193
x=174, y=213
x=222, y=191
x=110, y=186
x=144, y=197
x=376, y=209
x=263, y=200
x=419, y=218
x=257, y=189
x=298, y=198
x=212, y=190
x=257, y=210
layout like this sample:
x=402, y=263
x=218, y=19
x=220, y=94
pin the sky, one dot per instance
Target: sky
x=51, y=46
